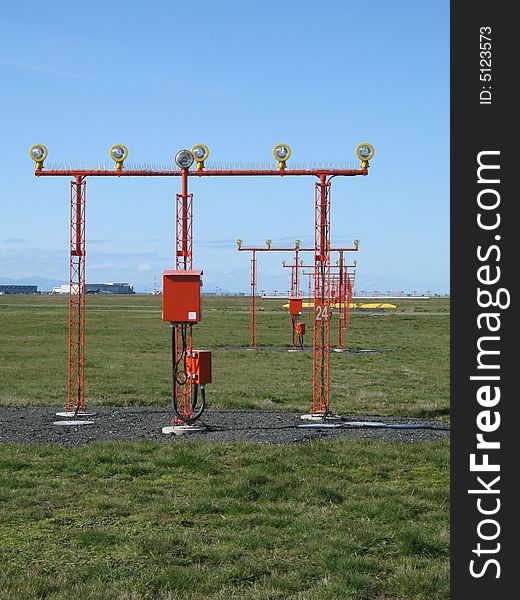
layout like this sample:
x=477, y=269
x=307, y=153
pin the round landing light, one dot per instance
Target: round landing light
x=118, y=153
x=281, y=153
x=184, y=159
x=200, y=152
x=365, y=151
x=38, y=152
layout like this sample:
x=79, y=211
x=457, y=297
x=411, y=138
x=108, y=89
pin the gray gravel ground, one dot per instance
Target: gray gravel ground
x=35, y=426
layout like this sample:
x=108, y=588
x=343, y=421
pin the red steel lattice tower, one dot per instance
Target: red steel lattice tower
x=183, y=261
x=252, y=302
x=184, y=226
x=76, y=357
x=322, y=308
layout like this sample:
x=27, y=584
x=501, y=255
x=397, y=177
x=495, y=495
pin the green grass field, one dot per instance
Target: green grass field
x=352, y=520
x=135, y=520
x=127, y=356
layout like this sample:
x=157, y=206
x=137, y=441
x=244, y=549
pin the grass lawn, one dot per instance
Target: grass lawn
x=127, y=353
x=135, y=520
x=354, y=520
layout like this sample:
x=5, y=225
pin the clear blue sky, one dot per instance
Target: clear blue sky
x=240, y=77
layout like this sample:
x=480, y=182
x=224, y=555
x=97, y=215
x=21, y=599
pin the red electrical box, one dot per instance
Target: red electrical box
x=295, y=306
x=198, y=366
x=300, y=328
x=181, y=296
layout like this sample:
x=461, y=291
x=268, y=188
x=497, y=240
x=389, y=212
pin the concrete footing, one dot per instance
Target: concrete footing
x=73, y=423
x=183, y=428
x=73, y=413
x=319, y=418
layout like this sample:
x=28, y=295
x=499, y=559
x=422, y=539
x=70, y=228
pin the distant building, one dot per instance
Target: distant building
x=18, y=289
x=99, y=288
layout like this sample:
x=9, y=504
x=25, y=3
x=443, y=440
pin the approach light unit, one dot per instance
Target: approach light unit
x=184, y=159
x=365, y=152
x=281, y=153
x=356, y=244
x=268, y=243
x=38, y=153
x=238, y=243
x=201, y=153
x=118, y=153
x=297, y=244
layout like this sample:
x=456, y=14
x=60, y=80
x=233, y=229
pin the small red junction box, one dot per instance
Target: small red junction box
x=198, y=366
x=181, y=296
x=295, y=306
x=300, y=328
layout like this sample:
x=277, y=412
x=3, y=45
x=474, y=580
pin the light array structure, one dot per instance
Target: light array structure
x=295, y=290
x=341, y=290
x=281, y=153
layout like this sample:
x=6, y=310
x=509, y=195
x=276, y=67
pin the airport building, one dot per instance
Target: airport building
x=18, y=289
x=99, y=288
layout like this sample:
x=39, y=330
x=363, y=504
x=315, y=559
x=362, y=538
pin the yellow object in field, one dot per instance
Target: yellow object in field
x=364, y=305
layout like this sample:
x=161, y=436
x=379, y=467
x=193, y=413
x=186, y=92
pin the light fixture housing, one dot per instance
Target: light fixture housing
x=281, y=153
x=356, y=244
x=297, y=244
x=38, y=153
x=238, y=243
x=201, y=153
x=184, y=159
x=118, y=153
x=268, y=243
x=365, y=153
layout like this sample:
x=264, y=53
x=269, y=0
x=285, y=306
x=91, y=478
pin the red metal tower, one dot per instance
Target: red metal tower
x=183, y=343
x=252, y=303
x=322, y=309
x=76, y=355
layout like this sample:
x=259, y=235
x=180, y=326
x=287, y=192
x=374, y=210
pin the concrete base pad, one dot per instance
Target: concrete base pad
x=321, y=425
x=183, y=429
x=316, y=417
x=73, y=423
x=72, y=413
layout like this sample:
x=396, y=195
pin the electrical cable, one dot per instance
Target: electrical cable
x=195, y=414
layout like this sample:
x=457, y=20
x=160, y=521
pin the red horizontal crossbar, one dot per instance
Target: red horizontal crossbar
x=177, y=173
x=293, y=249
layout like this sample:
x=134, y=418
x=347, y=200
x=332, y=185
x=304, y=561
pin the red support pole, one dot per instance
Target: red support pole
x=184, y=225
x=183, y=261
x=322, y=308
x=342, y=300
x=295, y=275
x=76, y=355
x=310, y=296
x=252, y=303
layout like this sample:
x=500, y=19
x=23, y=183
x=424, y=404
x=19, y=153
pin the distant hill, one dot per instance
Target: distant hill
x=44, y=285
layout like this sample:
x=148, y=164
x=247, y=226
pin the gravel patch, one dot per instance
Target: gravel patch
x=35, y=426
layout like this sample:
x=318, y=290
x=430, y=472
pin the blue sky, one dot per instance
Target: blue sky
x=240, y=77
